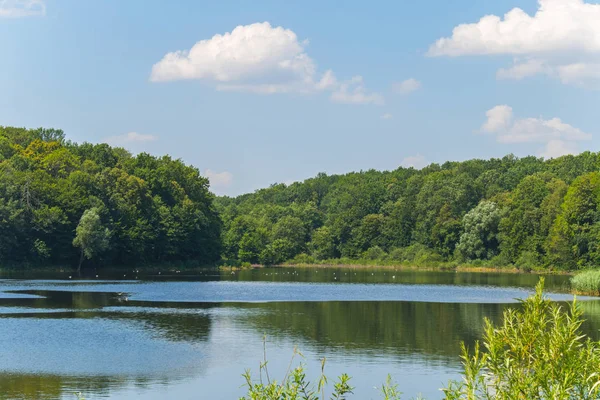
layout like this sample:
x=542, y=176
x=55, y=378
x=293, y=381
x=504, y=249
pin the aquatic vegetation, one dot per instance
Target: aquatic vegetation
x=587, y=282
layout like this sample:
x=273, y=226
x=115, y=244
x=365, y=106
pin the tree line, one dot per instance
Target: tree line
x=527, y=212
x=62, y=203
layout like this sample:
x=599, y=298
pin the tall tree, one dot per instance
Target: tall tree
x=91, y=236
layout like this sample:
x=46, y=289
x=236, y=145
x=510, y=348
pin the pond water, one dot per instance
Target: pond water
x=191, y=335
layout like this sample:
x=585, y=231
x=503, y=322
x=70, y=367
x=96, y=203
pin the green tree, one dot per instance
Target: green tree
x=322, y=245
x=480, y=237
x=91, y=236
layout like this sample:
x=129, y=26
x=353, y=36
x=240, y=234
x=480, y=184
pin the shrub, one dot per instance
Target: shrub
x=303, y=258
x=528, y=261
x=537, y=353
x=416, y=254
x=374, y=253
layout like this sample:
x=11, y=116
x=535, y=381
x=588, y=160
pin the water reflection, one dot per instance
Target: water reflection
x=97, y=339
x=404, y=328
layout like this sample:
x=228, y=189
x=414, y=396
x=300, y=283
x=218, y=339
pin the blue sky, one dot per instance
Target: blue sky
x=306, y=87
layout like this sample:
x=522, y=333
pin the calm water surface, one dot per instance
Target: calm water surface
x=191, y=336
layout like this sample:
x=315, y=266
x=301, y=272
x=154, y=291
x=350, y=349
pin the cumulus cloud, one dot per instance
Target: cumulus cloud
x=417, y=161
x=128, y=138
x=21, y=8
x=258, y=58
x=219, y=180
x=559, y=138
x=560, y=34
x=406, y=87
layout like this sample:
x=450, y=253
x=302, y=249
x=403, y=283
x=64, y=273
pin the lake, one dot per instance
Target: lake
x=191, y=335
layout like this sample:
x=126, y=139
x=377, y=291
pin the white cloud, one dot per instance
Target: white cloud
x=220, y=180
x=257, y=58
x=579, y=73
x=354, y=92
x=499, y=118
x=387, y=116
x=406, y=87
x=328, y=81
x=560, y=34
x=418, y=161
x=558, y=137
x=128, y=138
x=21, y=8
x=521, y=70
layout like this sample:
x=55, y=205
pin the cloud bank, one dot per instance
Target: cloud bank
x=562, y=40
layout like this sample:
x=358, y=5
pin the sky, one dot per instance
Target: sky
x=254, y=93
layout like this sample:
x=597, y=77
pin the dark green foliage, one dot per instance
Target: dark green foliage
x=156, y=209
x=525, y=212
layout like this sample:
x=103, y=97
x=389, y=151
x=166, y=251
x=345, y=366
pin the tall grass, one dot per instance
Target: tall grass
x=587, y=282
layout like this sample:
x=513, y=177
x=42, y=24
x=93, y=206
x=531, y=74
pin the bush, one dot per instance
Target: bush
x=587, y=282
x=303, y=258
x=528, y=261
x=537, y=353
x=374, y=253
x=416, y=254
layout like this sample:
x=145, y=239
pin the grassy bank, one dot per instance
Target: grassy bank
x=104, y=272
x=477, y=266
x=587, y=283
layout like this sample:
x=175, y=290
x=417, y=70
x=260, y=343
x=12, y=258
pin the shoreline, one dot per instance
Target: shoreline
x=459, y=268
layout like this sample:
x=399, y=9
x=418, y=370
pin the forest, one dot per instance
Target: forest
x=527, y=213
x=63, y=203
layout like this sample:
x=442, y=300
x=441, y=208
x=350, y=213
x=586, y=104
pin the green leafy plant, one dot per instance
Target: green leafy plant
x=389, y=389
x=537, y=353
x=294, y=385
